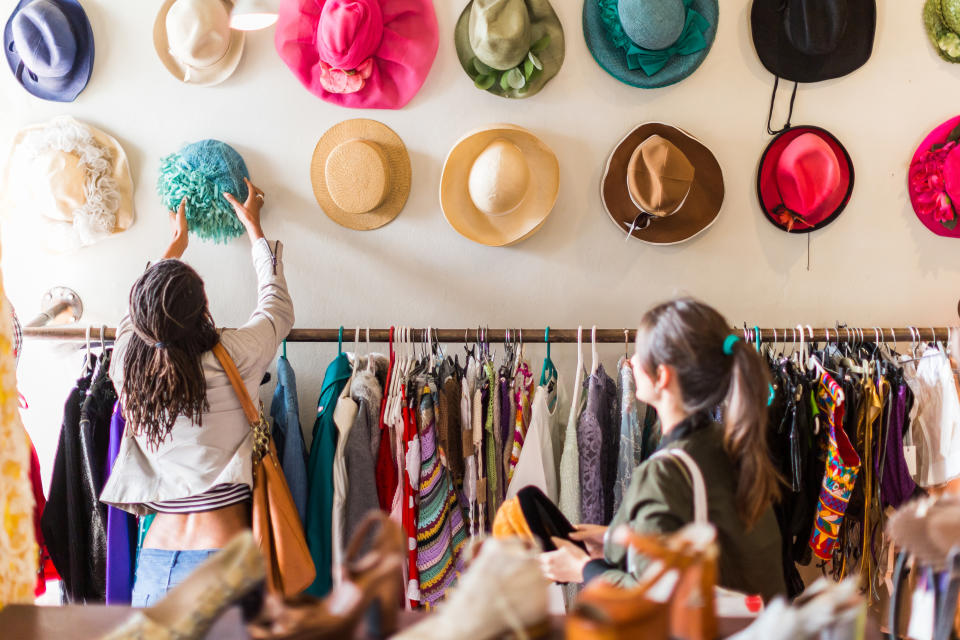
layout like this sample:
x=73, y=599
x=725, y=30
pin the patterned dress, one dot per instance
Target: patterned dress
x=440, y=530
x=843, y=464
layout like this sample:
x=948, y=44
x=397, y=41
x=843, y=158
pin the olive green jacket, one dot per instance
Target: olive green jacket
x=660, y=500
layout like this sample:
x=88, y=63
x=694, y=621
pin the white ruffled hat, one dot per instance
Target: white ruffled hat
x=70, y=182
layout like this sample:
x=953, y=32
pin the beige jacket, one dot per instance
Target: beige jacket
x=194, y=459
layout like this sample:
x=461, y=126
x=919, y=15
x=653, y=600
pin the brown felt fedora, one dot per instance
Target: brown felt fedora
x=361, y=174
x=661, y=185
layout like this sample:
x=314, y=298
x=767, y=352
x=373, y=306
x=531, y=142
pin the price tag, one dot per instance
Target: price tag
x=910, y=455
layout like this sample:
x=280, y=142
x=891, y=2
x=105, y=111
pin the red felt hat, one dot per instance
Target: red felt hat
x=933, y=180
x=804, y=180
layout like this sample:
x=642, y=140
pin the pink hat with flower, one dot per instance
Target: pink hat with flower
x=365, y=54
x=934, y=180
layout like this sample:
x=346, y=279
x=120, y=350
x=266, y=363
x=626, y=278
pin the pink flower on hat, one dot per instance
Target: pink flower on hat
x=340, y=81
x=930, y=186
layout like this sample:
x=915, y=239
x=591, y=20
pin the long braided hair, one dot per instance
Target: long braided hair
x=172, y=329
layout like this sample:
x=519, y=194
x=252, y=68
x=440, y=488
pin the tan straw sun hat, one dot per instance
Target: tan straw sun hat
x=361, y=174
x=499, y=184
x=194, y=40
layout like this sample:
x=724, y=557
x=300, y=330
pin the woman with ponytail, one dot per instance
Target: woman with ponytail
x=688, y=366
x=186, y=454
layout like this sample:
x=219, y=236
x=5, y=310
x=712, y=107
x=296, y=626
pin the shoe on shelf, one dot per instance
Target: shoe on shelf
x=674, y=597
x=189, y=610
x=501, y=594
x=371, y=587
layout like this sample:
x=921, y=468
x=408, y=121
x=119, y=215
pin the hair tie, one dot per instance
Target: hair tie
x=731, y=340
x=160, y=345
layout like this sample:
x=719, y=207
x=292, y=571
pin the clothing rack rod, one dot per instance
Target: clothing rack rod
x=789, y=335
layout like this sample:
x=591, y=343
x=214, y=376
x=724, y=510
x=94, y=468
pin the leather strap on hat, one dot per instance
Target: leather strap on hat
x=773, y=98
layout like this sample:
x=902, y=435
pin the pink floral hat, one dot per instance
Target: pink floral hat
x=365, y=54
x=934, y=180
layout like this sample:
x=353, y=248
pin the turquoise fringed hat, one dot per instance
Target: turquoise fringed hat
x=202, y=172
x=650, y=43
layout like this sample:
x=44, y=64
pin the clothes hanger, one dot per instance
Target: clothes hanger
x=356, y=351
x=371, y=361
x=595, y=364
x=549, y=371
x=88, y=359
x=340, y=341
x=626, y=344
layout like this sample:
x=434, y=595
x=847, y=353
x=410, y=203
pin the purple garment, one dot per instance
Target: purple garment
x=507, y=426
x=598, y=434
x=121, y=527
x=896, y=484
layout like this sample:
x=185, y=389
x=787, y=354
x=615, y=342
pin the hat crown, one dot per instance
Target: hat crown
x=349, y=32
x=357, y=175
x=659, y=176
x=499, y=178
x=808, y=174
x=500, y=32
x=44, y=39
x=815, y=27
x=198, y=31
x=652, y=24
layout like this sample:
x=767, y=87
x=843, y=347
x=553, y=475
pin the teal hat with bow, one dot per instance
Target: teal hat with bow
x=650, y=43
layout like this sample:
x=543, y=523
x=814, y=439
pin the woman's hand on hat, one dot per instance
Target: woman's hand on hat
x=566, y=563
x=249, y=212
x=178, y=223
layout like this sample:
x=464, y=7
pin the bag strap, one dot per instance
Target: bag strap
x=230, y=368
x=696, y=478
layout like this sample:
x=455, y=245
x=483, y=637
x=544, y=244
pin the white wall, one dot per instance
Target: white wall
x=875, y=265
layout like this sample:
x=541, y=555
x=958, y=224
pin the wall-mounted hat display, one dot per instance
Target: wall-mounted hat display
x=72, y=179
x=804, y=180
x=942, y=21
x=661, y=185
x=510, y=48
x=812, y=40
x=194, y=40
x=499, y=184
x=933, y=180
x=650, y=43
x=366, y=54
x=202, y=172
x=49, y=47
x=361, y=174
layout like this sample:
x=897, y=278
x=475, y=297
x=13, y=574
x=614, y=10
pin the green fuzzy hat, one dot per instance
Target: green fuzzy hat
x=510, y=48
x=942, y=21
x=202, y=172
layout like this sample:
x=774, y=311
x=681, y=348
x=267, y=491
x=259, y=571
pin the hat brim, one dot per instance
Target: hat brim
x=207, y=76
x=64, y=89
x=119, y=171
x=498, y=231
x=614, y=61
x=543, y=21
x=699, y=210
x=544, y=519
x=398, y=163
x=937, y=136
x=937, y=29
x=768, y=194
x=783, y=60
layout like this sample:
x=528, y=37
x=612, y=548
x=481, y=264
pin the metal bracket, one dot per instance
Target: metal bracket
x=59, y=306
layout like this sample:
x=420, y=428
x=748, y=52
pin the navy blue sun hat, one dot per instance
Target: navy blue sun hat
x=650, y=43
x=49, y=47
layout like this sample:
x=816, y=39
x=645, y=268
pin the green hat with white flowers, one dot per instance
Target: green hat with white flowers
x=511, y=48
x=942, y=21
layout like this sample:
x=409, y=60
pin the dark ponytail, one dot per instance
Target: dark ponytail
x=172, y=328
x=714, y=371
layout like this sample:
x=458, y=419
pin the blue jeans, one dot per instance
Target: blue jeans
x=159, y=570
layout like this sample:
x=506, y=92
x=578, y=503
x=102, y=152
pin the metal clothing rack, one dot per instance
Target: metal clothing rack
x=787, y=335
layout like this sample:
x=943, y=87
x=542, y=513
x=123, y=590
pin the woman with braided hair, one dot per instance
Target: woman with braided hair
x=186, y=454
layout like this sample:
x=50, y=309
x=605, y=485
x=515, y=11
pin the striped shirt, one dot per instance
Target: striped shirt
x=222, y=495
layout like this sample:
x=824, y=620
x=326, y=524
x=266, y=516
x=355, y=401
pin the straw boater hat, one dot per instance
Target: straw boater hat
x=510, y=48
x=804, y=180
x=49, y=48
x=661, y=185
x=499, y=184
x=195, y=42
x=72, y=179
x=361, y=174
x=650, y=43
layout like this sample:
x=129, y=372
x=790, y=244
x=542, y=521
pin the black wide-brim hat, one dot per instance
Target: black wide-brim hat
x=544, y=518
x=840, y=41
